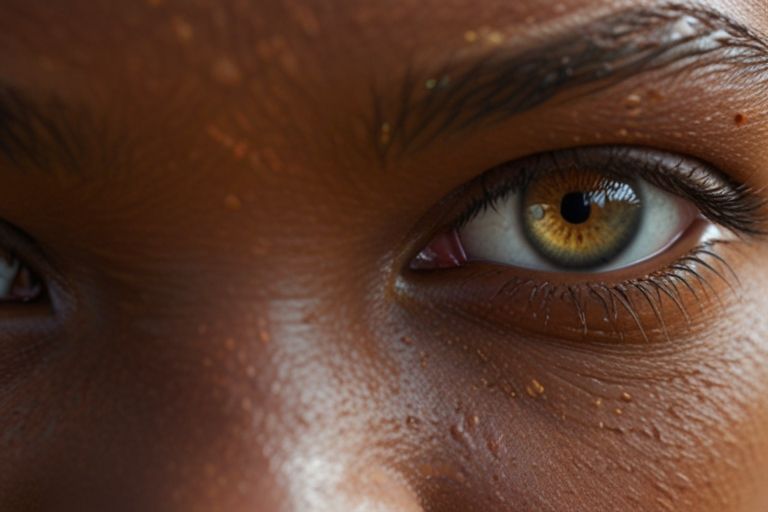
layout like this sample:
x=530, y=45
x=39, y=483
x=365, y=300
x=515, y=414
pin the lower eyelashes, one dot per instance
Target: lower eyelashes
x=586, y=246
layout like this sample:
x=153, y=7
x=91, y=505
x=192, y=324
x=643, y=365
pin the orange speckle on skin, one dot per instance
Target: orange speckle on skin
x=182, y=29
x=534, y=388
x=238, y=148
x=232, y=202
x=740, y=119
x=226, y=72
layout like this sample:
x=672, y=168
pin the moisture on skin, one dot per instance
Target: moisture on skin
x=225, y=212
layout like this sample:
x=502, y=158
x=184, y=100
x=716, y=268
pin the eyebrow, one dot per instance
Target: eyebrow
x=499, y=85
x=44, y=134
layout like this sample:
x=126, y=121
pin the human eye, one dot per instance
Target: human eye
x=600, y=243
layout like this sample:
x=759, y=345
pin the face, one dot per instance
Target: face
x=392, y=256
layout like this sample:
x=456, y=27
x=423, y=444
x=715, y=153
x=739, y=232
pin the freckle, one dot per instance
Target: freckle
x=740, y=119
x=423, y=357
x=534, y=388
x=264, y=336
x=474, y=421
x=655, y=95
x=305, y=18
x=226, y=72
x=407, y=340
x=240, y=150
x=232, y=202
x=599, y=402
x=470, y=36
x=618, y=412
x=412, y=421
x=493, y=447
x=456, y=433
x=507, y=389
x=385, y=134
x=183, y=30
x=230, y=344
x=633, y=104
x=626, y=397
x=495, y=38
x=623, y=132
x=601, y=425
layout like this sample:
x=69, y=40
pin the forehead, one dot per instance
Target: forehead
x=278, y=69
x=290, y=34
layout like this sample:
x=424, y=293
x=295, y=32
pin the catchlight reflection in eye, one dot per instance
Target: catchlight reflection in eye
x=572, y=220
x=580, y=219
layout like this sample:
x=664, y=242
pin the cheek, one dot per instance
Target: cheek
x=274, y=402
x=506, y=419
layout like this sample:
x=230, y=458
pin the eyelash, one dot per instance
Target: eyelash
x=735, y=206
x=721, y=201
x=670, y=282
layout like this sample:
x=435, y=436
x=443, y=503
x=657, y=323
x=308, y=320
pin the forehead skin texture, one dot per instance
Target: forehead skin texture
x=231, y=335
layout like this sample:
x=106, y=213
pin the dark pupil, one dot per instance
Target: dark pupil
x=575, y=207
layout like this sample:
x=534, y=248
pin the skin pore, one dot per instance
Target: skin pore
x=223, y=199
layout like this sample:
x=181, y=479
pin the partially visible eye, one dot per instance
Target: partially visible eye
x=18, y=283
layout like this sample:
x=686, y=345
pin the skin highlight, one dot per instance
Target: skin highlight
x=233, y=323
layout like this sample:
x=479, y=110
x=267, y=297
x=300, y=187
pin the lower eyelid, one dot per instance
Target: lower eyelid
x=676, y=300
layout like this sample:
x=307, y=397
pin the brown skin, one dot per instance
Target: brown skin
x=230, y=332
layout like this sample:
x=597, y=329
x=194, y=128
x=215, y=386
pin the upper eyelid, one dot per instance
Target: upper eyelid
x=721, y=200
x=498, y=85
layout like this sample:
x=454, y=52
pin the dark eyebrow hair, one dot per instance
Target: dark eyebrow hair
x=609, y=50
x=44, y=133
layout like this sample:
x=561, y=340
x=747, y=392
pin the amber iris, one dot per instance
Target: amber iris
x=580, y=219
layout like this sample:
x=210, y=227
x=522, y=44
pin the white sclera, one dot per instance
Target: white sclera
x=496, y=234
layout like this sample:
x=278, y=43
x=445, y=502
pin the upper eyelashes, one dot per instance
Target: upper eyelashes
x=602, y=243
x=592, y=209
x=578, y=221
x=719, y=199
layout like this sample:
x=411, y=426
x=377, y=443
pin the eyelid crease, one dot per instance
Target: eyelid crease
x=721, y=200
x=605, y=52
